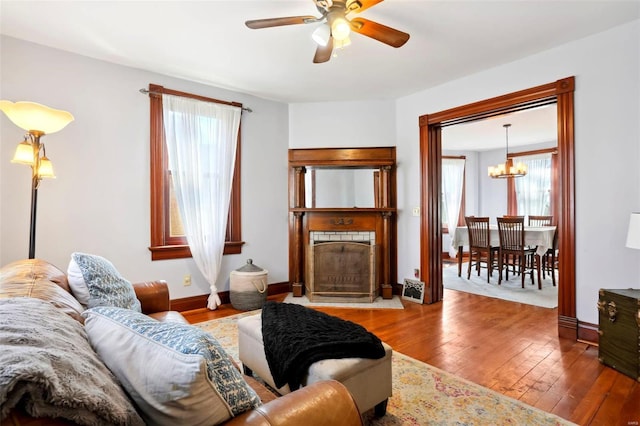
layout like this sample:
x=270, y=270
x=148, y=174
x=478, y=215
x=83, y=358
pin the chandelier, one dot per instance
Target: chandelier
x=507, y=169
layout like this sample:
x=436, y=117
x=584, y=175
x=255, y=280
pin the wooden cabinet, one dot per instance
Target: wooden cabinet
x=324, y=196
x=619, y=329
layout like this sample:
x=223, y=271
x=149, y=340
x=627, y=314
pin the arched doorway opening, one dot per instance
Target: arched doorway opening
x=561, y=92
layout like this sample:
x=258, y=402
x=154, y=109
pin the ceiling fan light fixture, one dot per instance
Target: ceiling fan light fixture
x=321, y=35
x=341, y=44
x=340, y=28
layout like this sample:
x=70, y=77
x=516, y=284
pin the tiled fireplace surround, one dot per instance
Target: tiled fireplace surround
x=325, y=236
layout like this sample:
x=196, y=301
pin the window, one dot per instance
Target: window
x=534, y=193
x=453, y=192
x=167, y=237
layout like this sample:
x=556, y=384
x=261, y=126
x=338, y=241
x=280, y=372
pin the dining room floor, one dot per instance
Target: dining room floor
x=510, y=289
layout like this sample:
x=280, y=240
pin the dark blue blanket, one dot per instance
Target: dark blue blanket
x=295, y=337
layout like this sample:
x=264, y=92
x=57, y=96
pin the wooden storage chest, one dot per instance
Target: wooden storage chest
x=619, y=329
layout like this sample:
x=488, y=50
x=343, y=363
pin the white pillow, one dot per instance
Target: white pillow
x=176, y=373
x=76, y=283
x=94, y=281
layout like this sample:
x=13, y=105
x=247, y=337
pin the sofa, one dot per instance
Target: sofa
x=34, y=295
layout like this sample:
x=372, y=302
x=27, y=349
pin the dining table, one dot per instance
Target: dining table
x=539, y=236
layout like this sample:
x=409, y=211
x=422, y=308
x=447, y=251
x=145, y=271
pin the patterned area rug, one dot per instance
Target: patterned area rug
x=422, y=394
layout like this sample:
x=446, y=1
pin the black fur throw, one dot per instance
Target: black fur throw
x=295, y=337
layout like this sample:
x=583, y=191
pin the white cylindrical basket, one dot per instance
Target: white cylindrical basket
x=248, y=287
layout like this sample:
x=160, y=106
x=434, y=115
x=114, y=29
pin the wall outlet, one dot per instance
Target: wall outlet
x=416, y=211
x=186, y=280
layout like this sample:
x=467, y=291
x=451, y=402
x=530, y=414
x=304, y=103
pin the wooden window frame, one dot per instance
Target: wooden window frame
x=163, y=246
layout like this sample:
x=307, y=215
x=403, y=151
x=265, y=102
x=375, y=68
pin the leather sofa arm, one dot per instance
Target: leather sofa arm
x=319, y=404
x=153, y=296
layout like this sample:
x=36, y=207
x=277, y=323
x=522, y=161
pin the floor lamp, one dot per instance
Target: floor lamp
x=38, y=120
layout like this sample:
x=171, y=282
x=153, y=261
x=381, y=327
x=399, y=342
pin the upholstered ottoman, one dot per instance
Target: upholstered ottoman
x=368, y=380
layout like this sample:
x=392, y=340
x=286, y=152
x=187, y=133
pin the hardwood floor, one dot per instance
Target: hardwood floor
x=509, y=347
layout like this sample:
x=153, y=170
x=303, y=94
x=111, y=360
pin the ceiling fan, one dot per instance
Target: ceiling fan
x=337, y=27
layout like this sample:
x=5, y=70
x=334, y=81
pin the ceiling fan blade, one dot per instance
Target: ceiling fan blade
x=364, y=5
x=323, y=53
x=379, y=32
x=277, y=22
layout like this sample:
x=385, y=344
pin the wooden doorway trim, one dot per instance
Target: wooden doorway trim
x=559, y=92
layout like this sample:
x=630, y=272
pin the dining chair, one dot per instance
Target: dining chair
x=480, y=248
x=512, y=261
x=512, y=246
x=550, y=259
x=540, y=220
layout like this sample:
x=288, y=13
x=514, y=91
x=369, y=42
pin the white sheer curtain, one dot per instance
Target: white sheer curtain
x=452, y=181
x=201, y=140
x=533, y=191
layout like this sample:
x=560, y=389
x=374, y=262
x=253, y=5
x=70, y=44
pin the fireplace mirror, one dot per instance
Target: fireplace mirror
x=341, y=187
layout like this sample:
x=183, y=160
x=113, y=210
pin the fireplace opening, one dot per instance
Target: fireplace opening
x=342, y=271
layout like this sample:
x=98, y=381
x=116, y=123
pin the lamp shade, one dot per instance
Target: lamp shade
x=633, y=235
x=321, y=34
x=33, y=116
x=340, y=28
x=45, y=170
x=340, y=44
x=24, y=154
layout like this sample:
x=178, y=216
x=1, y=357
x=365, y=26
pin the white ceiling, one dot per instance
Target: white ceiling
x=528, y=127
x=207, y=41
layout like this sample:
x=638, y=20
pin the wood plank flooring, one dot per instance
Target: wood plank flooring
x=509, y=347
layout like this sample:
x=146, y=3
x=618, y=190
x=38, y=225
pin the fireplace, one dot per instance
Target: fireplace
x=338, y=209
x=342, y=267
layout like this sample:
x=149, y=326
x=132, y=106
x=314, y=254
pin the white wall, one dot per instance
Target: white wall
x=342, y=124
x=607, y=135
x=492, y=193
x=99, y=202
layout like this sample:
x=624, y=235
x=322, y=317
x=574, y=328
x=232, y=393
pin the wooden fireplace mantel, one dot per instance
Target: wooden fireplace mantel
x=381, y=218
